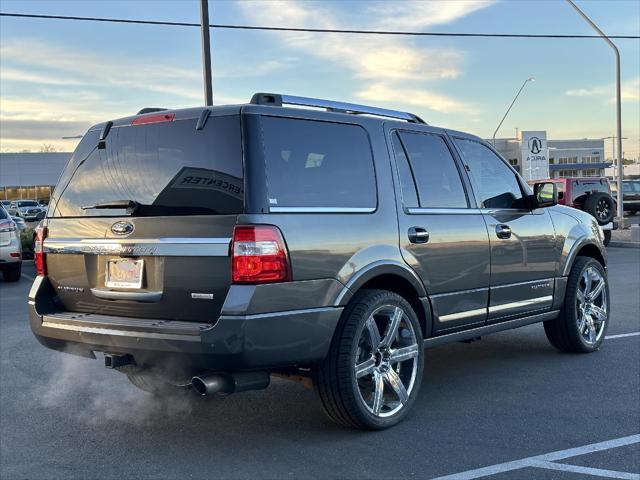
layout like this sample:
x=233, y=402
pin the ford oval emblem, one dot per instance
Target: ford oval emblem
x=122, y=228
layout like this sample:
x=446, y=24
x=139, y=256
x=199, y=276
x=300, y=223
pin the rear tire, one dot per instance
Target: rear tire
x=607, y=237
x=12, y=273
x=584, y=318
x=372, y=373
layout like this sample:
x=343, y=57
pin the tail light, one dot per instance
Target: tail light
x=8, y=226
x=259, y=255
x=146, y=119
x=39, y=255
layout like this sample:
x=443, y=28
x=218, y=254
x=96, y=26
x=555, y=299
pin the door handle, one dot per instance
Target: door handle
x=418, y=235
x=503, y=231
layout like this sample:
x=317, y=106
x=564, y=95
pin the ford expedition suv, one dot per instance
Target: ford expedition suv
x=211, y=248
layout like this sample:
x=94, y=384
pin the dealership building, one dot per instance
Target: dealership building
x=536, y=157
x=30, y=176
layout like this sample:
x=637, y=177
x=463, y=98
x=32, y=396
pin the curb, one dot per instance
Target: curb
x=619, y=244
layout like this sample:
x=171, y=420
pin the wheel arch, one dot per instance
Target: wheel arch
x=584, y=248
x=396, y=278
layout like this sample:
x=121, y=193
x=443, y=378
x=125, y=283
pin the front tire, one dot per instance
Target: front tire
x=584, y=317
x=373, y=371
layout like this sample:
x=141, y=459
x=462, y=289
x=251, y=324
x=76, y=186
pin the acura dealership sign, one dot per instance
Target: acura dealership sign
x=535, y=155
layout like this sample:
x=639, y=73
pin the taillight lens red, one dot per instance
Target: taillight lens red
x=259, y=255
x=158, y=118
x=39, y=255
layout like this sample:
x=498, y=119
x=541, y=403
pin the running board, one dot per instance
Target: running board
x=487, y=329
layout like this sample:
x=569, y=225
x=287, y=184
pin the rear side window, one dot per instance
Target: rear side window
x=318, y=164
x=495, y=184
x=434, y=170
x=167, y=168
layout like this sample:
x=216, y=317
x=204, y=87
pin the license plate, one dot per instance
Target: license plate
x=124, y=273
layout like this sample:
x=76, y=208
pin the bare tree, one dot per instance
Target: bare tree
x=47, y=147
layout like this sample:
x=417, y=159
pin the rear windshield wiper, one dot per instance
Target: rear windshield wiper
x=130, y=205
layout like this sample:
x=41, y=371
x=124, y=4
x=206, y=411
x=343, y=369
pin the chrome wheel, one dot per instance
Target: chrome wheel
x=592, y=310
x=386, y=361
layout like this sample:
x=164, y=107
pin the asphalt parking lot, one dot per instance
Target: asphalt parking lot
x=507, y=407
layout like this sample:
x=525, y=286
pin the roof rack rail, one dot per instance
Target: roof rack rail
x=277, y=100
x=151, y=110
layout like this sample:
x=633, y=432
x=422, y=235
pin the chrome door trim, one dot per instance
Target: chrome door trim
x=160, y=247
x=442, y=211
x=521, y=304
x=463, y=314
x=138, y=296
x=460, y=292
x=322, y=209
x=547, y=281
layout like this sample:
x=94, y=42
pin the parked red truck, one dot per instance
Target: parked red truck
x=591, y=194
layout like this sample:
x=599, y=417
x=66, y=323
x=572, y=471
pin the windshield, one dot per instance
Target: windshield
x=29, y=203
x=166, y=168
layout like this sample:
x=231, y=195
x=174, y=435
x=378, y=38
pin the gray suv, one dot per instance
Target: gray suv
x=207, y=249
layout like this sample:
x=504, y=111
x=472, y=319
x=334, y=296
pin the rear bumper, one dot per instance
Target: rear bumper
x=234, y=342
x=8, y=252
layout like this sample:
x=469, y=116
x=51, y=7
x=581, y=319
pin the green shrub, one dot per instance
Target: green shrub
x=26, y=237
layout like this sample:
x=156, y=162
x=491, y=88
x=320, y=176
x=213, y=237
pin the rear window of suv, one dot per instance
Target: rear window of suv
x=316, y=165
x=168, y=168
x=580, y=188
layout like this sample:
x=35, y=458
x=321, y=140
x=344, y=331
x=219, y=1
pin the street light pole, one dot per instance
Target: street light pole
x=620, y=211
x=206, y=52
x=530, y=79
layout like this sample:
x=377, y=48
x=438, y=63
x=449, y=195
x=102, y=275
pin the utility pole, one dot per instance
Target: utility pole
x=620, y=212
x=206, y=52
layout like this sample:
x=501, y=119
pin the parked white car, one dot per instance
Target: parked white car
x=10, y=248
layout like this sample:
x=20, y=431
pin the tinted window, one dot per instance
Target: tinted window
x=407, y=183
x=318, y=164
x=28, y=203
x=3, y=214
x=168, y=168
x=580, y=188
x=436, y=175
x=494, y=183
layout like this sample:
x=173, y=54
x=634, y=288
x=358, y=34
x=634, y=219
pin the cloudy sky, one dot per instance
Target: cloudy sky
x=58, y=77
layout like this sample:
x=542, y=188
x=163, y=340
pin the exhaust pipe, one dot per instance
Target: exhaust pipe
x=228, y=383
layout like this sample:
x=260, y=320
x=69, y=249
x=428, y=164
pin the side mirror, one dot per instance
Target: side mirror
x=544, y=195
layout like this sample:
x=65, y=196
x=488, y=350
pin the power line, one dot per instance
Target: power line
x=309, y=30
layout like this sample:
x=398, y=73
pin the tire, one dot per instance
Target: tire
x=390, y=387
x=12, y=273
x=570, y=331
x=607, y=237
x=150, y=382
x=601, y=206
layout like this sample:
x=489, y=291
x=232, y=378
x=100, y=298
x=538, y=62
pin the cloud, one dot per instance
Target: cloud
x=629, y=91
x=32, y=129
x=415, y=97
x=417, y=15
x=371, y=56
x=387, y=68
